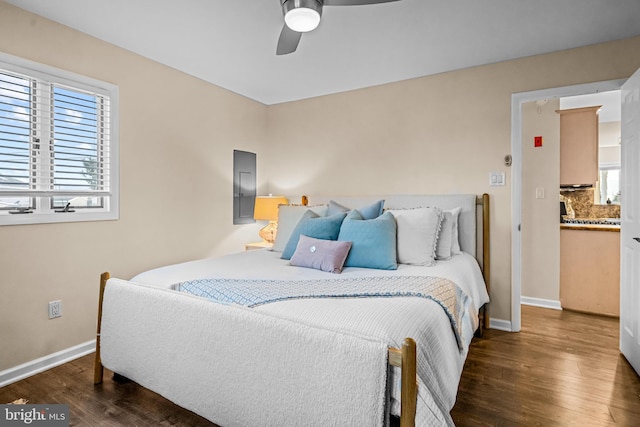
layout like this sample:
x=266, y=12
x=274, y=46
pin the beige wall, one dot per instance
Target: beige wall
x=437, y=134
x=541, y=217
x=177, y=136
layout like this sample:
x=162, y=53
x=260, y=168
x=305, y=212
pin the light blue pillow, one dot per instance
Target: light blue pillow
x=311, y=225
x=371, y=211
x=288, y=217
x=373, y=241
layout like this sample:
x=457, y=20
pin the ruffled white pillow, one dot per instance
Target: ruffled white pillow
x=417, y=234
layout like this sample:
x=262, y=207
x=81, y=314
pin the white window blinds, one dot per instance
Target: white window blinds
x=58, y=145
x=15, y=131
x=54, y=140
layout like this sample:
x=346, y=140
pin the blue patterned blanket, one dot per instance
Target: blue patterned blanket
x=252, y=293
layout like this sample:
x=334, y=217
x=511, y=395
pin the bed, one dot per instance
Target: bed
x=254, y=339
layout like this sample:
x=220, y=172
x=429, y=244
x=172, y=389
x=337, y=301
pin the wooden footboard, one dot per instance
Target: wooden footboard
x=404, y=358
x=98, y=370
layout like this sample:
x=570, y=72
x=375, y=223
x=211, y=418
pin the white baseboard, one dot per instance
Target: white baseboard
x=501, y=325
x=539, y=302
x=17, y=373
x=505, y=325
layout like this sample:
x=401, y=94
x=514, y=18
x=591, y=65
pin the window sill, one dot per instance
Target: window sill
x=52, y=218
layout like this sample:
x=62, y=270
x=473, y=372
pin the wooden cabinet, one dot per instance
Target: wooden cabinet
x=590, y=271
x=579, y=146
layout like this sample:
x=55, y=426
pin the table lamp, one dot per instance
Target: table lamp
x=266, y=209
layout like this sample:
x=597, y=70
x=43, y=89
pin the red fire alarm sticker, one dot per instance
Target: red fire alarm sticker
x=537, y=141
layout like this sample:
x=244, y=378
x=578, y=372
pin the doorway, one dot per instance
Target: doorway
x=517, y=101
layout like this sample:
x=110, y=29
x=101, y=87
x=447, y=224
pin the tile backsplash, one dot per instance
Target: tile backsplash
x=583, y=206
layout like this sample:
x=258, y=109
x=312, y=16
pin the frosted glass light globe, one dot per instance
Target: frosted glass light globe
x=302, y=19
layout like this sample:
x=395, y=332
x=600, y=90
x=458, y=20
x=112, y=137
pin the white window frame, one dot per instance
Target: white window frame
x=43, y=213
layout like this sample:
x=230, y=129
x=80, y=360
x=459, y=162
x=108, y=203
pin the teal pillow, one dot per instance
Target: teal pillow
x=311, y=225
x=371, y=211
x=373, y=241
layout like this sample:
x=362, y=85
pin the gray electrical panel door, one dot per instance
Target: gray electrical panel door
x=244, y=186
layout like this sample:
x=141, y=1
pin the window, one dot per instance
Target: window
x=58, y=145
x=609, y=185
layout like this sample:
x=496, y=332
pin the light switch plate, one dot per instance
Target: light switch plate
x=496, y=179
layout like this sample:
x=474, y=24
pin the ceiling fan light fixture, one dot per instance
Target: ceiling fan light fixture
x=302, y=16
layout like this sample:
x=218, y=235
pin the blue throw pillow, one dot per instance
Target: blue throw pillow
x=324, y=227
x=371, y=211
x=373, y=241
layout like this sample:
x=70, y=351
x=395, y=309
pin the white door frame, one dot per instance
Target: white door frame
x=517, y=99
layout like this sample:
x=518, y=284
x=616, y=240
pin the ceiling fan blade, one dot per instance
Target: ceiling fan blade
x=288, y=41
x=354, y=2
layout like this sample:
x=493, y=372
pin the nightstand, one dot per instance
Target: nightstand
x=257, y=245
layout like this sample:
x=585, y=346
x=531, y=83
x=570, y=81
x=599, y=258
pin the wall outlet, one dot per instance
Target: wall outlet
x=55, y=309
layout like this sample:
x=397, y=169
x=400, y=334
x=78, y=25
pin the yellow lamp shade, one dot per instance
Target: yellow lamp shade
x=266, y=209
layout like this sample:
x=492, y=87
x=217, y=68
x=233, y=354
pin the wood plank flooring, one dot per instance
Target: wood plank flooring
x=106, y=404
x=563, y=369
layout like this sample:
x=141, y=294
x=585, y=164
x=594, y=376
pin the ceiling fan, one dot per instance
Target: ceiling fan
x=302, y=16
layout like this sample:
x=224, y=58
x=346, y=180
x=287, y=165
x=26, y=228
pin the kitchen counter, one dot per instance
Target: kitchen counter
x=591, y=227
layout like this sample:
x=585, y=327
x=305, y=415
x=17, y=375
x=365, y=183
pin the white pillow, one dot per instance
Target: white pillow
x=445, y=238
x=288, y=218
x=417, y=234
x=455, y=240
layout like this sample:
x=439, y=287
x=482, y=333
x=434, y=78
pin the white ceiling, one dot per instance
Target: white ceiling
x=611, y=110
x=232, y=43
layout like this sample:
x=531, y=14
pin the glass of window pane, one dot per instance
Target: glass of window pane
x=15, y=203
x=610, y=186
x=77, y=202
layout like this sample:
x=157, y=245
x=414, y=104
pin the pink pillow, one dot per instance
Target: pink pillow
x=325, y=255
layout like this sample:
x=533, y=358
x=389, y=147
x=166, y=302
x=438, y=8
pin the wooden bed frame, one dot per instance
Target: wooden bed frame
x=403, y=358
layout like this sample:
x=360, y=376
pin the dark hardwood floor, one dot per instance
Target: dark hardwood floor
x=107, y=404
x=563, y=369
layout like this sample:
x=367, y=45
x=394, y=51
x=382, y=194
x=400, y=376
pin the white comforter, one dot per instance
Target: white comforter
x=440, y=362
